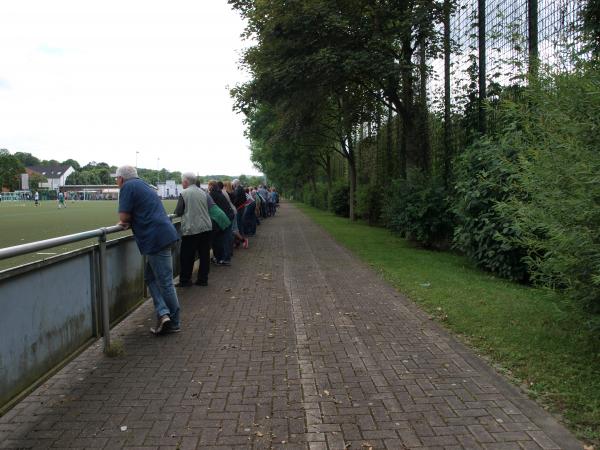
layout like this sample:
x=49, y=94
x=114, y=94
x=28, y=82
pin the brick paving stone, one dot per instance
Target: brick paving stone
x=298, y=345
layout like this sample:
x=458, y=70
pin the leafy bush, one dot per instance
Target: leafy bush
x=486, y=178
x=340, y=199
x=369, y=200
x=315, y=196
x=417, y=208
x=559, y=221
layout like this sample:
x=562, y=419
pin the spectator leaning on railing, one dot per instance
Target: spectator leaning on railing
x=196, y=228
x=141, y=209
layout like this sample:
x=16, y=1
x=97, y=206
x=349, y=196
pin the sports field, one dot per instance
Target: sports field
x=22, y=222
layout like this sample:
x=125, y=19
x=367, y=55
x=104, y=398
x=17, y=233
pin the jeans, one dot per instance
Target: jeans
x=190, y=245
x=239, y=217
x=222, y=244
x=158, y=274
x=250, y=219
x=227, y=243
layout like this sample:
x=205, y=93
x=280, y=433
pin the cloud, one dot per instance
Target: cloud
x=100, y=81
x=49, y=50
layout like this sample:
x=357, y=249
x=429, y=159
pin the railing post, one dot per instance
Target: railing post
x=104, y=291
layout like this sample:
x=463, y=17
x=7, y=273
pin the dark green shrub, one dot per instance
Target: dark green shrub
x=315, y=195
x=417, y=208
x=486, y=178
x=340, y=199
x=559, y=221
x=369, y=200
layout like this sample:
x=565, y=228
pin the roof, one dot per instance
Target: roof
x=50, y=171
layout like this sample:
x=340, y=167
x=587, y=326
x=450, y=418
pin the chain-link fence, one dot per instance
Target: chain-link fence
x=515, y=31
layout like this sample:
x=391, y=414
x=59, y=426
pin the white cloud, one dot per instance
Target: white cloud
x=102, y=80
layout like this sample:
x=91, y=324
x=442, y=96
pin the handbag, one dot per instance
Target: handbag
x=219, y=217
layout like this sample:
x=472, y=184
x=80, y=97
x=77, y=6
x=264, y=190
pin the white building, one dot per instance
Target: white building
x=169, y=189
x=56, y=175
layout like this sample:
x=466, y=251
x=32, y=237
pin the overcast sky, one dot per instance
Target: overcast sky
x=102, y=80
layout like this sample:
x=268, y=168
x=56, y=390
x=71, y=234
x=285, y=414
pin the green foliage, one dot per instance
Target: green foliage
x=559, y=220
x=35, y=179
x=369, y=202
x=315, y=195
x=591, y=25
x=10, y=170
x=486, y=177
x=417, y=208
x=71, y=162
x=340, y=199
x=27, y=159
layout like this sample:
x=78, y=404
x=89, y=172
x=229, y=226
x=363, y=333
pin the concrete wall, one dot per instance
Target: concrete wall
x=51, y=309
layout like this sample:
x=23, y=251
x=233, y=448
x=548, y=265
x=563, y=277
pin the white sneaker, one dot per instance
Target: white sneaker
x=162, y=320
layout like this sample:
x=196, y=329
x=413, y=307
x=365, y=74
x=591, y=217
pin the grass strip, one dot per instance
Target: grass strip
x=536, y=337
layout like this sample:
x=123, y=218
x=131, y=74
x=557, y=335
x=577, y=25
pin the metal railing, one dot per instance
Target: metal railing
x=100, y=233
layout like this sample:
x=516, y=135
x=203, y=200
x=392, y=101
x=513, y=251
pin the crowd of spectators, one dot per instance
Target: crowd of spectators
x=220, y=219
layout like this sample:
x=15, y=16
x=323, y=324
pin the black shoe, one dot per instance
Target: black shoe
x=201, y=283
x=183, y=284
x=213, y=260
x=224, y=263
x=169, y=328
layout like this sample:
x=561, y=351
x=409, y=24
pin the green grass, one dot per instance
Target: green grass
x=22, y=222
x=536, y=337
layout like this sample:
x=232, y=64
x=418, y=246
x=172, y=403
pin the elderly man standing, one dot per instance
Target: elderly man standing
x=196, y=230
x=141, y=209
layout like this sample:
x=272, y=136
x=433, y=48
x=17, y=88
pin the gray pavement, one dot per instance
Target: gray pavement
x=298, y=345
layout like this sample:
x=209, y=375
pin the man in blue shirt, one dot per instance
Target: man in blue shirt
x=141, y=209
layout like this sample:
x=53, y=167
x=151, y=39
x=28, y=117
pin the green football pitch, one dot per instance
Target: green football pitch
x=23, y=222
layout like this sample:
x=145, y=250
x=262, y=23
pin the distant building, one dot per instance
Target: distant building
x=56, y=175
x=169, y=189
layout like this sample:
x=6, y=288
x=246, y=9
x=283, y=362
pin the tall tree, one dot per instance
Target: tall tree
x=10, y=170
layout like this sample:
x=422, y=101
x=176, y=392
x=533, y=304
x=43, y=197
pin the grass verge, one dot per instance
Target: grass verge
x=536, y=337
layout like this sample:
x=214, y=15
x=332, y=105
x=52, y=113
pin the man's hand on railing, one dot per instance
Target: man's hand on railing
x=124, y=225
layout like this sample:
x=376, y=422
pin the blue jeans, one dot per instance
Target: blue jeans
x=159, y=278
x=227, y=243
x=250, y=219
x=239, y=216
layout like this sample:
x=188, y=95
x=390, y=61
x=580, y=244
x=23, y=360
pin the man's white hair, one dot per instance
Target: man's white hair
x=235, y=183
x=189, y=176
x=127, y=172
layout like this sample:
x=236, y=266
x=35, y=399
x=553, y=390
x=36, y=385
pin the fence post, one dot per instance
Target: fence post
x=482, y=65
x=104, y=291
x=447, y=124
x=532, y=36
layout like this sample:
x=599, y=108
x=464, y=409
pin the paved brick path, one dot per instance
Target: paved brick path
x=298, y=345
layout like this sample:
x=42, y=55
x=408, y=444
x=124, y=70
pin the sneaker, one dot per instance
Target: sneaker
x=183, y=284
x=170, y=328
x=160, y=324
x=224, y=263
x=213, y=260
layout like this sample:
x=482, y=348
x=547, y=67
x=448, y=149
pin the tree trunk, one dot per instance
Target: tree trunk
x=389, y=160
x=352, y=176
x=407, y=112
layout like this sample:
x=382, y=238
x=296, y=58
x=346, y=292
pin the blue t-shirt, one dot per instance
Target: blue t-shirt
x=151, y=226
